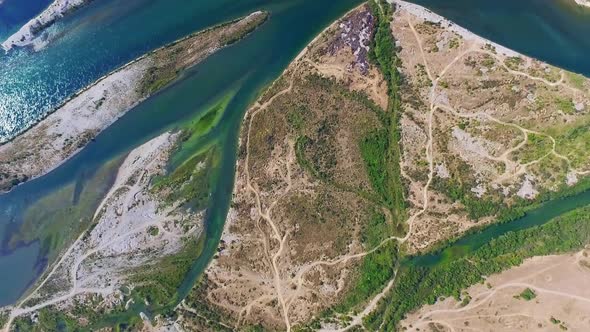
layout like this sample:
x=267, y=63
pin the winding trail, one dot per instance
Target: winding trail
x=266, y=215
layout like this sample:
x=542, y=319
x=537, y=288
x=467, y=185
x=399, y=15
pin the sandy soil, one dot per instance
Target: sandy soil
x=66, y=131
x=80, y=119
x=470, y=108
x=275, y=268
x=561, y=285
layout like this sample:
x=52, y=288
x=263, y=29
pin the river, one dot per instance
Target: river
x=108, y=33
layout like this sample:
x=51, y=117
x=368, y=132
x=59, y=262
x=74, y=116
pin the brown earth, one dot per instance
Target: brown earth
x=561, y=287
x=302, y=194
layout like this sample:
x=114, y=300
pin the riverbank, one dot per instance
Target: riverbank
x=79, y=120
x=428, y=15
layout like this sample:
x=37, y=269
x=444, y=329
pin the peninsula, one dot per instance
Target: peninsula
x=394, y=132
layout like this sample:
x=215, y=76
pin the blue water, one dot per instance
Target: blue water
x=14, y=13
x=92, y=42
x=555, y=31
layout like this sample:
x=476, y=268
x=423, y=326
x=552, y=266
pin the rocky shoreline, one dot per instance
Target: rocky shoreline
x=31, y=34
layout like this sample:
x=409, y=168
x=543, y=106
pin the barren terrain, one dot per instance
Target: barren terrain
x=32, y=32
x=132, y=230
x=559, y=300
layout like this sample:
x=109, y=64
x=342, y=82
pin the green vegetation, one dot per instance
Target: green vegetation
x=381, y=150
x=513, y=62
x=527, y=295
x=576, y=80
x=155, y=80
x=374, y=151
x=296, y=117
x=383, y=51
x=49, y=319
x=153, y=231
x=535, y=148
x=419, y=285
x=228, y=39
x=454, y=43
x=466, y=300
x=488, y=61
x=490, y=47
x=191, y=182
x=476, y=207
x=158, y=286
x=575, y=144
x=193, y=164
x=566, y=105
x=375, y=271
x=169, y=62
x=193, y=131
x=317, y=156
x=3, y=318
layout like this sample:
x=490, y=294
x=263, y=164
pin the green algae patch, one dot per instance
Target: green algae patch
x=193, y=131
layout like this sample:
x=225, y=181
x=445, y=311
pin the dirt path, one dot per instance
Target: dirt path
x=266, y=215
x=357, y=319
